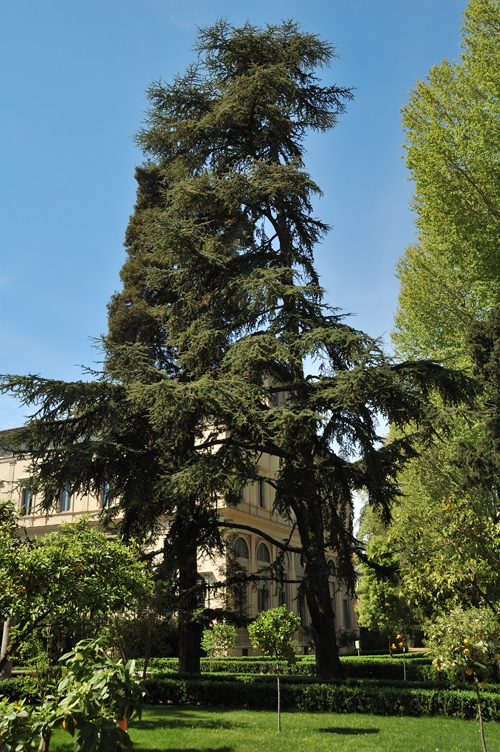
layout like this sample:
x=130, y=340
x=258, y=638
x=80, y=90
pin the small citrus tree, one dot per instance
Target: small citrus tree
x=272, y=632
x=100, y=695
x=218, y=641
x=94, y=700
x=466, y=640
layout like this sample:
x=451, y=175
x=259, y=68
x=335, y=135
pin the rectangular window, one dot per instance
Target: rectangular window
x=202, y=591
x=107, y=501
x=66, y=499
x=262, y=599
x=332, y=597
x=346, y=613
x=304, y=614
x=26, y=501
x=261, y=487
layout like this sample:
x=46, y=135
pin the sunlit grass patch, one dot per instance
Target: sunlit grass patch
x=172, y=729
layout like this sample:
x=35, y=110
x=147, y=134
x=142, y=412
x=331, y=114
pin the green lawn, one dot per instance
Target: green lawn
x=172, y=729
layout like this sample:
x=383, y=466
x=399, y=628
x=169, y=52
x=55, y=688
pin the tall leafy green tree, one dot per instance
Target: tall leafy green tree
x=444, y=538
x=449, y=290
x=452, y=140
x=381, y=604
x=220, y=312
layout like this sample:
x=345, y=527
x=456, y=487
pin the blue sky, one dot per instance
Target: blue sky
x=72, y=80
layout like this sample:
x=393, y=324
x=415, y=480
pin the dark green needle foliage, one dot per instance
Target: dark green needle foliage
x=220, y=312
x=230, y=252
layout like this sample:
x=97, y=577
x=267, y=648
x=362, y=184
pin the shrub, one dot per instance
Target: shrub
x=17, y=731
x=218, y=641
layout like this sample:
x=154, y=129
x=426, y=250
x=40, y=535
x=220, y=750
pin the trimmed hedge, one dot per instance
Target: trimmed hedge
x=270, y=679
x=437, y=684
x=339, y=698
x=417, y=669
x=306, y=693
x=13, y=689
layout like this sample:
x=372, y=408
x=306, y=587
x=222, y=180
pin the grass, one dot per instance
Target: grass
x=172, y=729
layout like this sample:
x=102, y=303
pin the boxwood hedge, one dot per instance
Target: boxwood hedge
x=417, y=669
x=314, y=696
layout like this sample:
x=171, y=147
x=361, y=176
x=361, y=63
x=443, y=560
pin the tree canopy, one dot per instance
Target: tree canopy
x=452, y=139
x=444, y=535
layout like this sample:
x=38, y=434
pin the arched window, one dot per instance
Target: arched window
x=331, y=569
x=263, y=553
x=241, y=549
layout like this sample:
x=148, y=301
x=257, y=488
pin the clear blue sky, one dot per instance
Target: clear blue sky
x=73, y=75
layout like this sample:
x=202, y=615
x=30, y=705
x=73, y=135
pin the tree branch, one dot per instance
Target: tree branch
x=282, y=545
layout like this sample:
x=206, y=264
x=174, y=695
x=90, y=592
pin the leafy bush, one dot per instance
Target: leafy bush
x=17, y=731
x=465, y=640
x=218, y=641
x=56, y=587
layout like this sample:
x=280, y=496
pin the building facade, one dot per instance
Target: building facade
x=251, y=551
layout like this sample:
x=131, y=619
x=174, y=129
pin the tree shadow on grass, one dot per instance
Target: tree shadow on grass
x=348, y=731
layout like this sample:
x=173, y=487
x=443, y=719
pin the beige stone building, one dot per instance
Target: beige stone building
x=251, y=550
